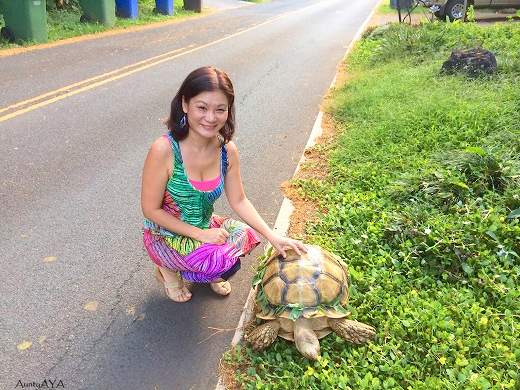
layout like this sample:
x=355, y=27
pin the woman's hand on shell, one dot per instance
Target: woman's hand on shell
x=214, y=236
x=281, y=243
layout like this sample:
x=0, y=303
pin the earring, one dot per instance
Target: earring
x=183, y=121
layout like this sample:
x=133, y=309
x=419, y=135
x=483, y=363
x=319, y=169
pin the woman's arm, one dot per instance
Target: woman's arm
x=246, y=211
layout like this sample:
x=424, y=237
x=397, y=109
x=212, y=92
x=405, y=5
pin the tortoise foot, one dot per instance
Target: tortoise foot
x=263, y=336
x=352, y=331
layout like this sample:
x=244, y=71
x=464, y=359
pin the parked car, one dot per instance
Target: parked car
x=456, y=9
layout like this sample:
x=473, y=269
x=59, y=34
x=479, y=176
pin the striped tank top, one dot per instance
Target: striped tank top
x=183, y=201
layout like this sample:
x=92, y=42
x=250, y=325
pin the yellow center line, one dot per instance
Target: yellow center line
x=74, y=89
x=71, y=86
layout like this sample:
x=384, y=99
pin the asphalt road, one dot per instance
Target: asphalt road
x=70, y=183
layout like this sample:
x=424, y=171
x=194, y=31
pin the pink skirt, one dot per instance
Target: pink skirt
x=206, y=262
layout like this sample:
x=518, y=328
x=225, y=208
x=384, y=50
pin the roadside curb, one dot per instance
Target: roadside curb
x=282, y=222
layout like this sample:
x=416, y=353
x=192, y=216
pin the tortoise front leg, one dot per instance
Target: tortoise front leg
x=352, y=331
x=264, y=335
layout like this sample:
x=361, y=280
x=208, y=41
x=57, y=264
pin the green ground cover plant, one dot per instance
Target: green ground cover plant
x=422, y=199
x=65, y=23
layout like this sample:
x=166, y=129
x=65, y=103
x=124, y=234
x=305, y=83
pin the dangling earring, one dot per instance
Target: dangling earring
x=183, y=121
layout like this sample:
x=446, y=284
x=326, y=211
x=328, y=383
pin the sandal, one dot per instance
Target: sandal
x=221, y=288
x=175, y=290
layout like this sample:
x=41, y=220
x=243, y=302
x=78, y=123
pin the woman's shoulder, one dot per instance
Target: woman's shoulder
x=231, y=147
x=161, y=147
x=231, y=153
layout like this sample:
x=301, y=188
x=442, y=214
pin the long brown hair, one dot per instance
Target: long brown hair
x=204, y=79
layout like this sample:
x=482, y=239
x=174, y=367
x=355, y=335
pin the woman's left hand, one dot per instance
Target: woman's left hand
x=281, y=243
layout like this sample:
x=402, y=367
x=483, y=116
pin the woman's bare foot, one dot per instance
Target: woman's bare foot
x=221, y=288
x=173, y=285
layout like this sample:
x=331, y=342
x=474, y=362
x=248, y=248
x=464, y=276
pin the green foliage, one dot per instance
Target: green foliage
x=470, y=14
x=65, y=24
x=423, y=199
x=71, y=5
x=514, y=214
x=483, y=170
x=430, y=41
x=257, y=278
x=460, y=174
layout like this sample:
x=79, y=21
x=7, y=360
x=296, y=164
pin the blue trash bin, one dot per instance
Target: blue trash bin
x=126, y=9
x=164, y=7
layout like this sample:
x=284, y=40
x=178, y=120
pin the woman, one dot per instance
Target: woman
x=184, y=173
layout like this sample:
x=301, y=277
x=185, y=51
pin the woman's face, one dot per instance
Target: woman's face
x=207, y=113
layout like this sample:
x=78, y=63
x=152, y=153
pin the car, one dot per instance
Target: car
x=456, y=9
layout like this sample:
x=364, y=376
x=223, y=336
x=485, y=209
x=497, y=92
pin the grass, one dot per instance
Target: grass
x=422, y=199
x=64, y=24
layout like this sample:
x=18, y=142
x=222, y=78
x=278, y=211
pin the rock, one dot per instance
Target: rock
x=473, y=62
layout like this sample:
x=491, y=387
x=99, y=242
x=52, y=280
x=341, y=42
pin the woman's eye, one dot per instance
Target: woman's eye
x=221, y=110
x=202, y=108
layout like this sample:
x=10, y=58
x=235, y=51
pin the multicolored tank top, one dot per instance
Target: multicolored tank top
x=185, y=202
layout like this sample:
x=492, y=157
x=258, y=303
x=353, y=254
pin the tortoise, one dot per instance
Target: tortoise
x=300, y=298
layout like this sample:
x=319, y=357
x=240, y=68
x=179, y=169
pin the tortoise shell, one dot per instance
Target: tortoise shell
x=312, y=280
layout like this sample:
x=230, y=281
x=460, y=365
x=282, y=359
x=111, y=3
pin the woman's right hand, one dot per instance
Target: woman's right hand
x=213, y=236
